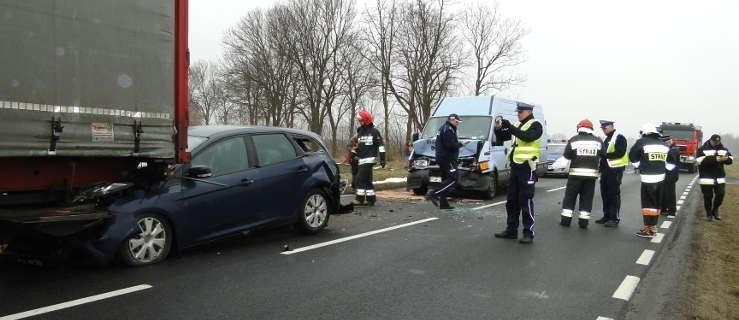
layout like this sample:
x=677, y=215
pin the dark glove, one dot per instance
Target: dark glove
x=505, y=124
x=382, y=164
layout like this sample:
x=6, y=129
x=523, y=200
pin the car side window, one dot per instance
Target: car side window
x=308, y=145
x=273, y=148
x=224, y=157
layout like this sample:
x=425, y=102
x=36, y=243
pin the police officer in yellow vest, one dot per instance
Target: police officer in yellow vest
x=524, y=156
x=612, y=168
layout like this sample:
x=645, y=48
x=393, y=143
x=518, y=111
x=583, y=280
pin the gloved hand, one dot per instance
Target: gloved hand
x=382, y=164
x=505, y=124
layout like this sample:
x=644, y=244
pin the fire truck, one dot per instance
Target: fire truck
x=688, y=137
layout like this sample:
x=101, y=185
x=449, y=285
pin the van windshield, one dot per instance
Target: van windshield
x=471, y=127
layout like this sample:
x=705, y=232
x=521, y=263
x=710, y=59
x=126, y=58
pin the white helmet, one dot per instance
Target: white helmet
x=648, y=128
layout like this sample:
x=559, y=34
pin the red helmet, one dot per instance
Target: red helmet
x=364, y=117
x=585, y=124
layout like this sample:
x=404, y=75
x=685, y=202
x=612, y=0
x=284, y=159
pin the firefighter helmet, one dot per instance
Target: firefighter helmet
x=585, y=124
x=364, y=117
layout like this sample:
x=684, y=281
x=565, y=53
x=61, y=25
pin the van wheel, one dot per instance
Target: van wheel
x=151, y=244
x=420, y=191
x=313, y=214
x=492, y=186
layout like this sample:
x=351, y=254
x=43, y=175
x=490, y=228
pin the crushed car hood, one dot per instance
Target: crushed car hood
x=427, y=148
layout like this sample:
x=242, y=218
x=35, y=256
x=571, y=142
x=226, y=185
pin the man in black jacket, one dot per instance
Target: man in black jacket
x=369, y=145
x=612, y=167
x=711, y=158
x=447, y=151
x=669, y=201
x=649, y=155
x=584, y=152
x=524, y=156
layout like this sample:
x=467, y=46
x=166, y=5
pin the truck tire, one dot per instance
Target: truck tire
x=151, y=244
x=492, y=186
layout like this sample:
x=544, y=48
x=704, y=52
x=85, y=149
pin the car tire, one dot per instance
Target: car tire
x=492, y=186
x=313, y=213
x=420, y=191
x=151, y=244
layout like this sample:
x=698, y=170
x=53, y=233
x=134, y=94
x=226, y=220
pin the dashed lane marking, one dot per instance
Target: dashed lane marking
x=645, y=257
x=603, y=318
x=627, y=287
x=75, y=303
x=680, y=202
x=658, y=238
x=555, y=189
x=356, y=236
x=666, y=224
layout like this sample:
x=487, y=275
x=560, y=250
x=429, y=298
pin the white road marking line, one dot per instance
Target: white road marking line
x=645, y=257
x=678, y=208
x=683, y=197
x=356, y=236
x=489, y=205
x=658, y=238
x=670, y=217
x=666, y=224
x=680, y=201
x=626, y=289
x=75, y=303
x=555, y=189
x=603, y=318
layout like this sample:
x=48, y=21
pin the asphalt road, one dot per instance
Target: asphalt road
x=446, y=267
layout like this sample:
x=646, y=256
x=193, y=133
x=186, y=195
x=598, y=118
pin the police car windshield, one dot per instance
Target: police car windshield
x=558, y=149
x=686, y=135
x=471, y=127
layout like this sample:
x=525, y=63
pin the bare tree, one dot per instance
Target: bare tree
x=315, y=30
x=205, y=90
x=495, y=44
x=426, y=59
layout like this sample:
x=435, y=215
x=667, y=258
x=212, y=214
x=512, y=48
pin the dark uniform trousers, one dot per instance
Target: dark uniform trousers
x=520, y=200
x=669, y=200
x=610, y=192
x=449, y=176
x=713, y=196
x=651, y=198
x=365, y=188
x=583, y=187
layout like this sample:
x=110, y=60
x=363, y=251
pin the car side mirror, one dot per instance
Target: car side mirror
x=199, y=172
x=414, y=137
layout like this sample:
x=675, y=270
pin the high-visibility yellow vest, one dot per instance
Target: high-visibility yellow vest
x=619, y=162
x=524, y=151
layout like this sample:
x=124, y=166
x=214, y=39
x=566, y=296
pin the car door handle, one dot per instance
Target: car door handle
x=246, y=182
x=302, y=169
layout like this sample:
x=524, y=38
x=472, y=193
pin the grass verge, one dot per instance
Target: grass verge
x=712, y=288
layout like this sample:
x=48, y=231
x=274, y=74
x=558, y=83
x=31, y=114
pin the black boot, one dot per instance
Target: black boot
x=444, y=203
x=715, y=214
x=507, y=235
x=583, y=223
x=527, y=239
x=611, y=224
x=565, y=221
x=602, y=220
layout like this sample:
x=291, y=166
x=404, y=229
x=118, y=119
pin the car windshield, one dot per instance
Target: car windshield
x=193, y=142
x=686, y=135
x=556, y=149
x=471, y=127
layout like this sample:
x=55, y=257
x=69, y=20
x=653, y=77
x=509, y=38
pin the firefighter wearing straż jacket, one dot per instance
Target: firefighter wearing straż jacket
x=526, y=135
x=612, y=167
x=369, y=146
x=669, y=201
x=584, y=152
x=649, y=154
x=711, y=158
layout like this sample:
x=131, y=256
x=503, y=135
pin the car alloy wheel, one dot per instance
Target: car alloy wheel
x=315, y=211
x=151, y=243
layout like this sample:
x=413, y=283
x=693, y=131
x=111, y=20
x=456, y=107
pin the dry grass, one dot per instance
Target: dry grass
x=712, y=290
x=394, y=169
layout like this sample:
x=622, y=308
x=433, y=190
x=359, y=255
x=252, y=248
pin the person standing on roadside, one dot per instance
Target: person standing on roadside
x=584, y=152
x=711, y=158
x=669, y=201
x=524, y=156
x=612, y=167
x=649, y=155
x=447, y=152
x=369, y=146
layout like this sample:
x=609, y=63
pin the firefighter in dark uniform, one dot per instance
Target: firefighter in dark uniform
x=612, y=167
x=649, y=155
x=447, y=151
x=584, y=152
x=669, y=201
x=369, y=145
x=526, y=135
x=711, y=158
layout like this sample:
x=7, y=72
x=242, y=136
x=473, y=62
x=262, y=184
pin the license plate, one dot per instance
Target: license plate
x=435, y=179
x=550, y=167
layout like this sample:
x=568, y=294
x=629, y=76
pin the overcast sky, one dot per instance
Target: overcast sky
x=629, y=61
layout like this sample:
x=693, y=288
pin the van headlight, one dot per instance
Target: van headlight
x=420, y=163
